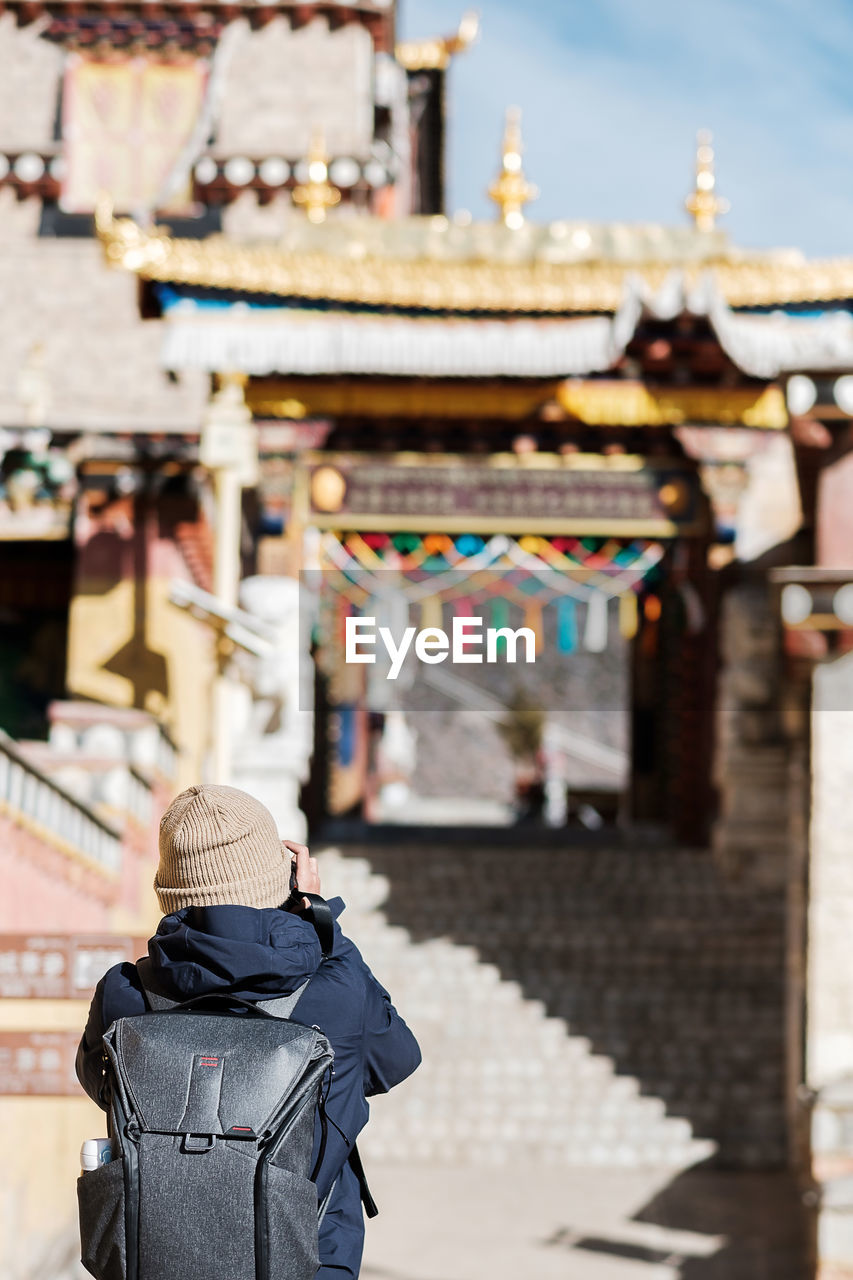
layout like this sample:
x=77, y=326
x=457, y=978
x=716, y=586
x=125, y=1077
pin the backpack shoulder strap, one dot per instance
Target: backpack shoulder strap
x=282, y=1006
x=156, y=1002
x=279, y=1007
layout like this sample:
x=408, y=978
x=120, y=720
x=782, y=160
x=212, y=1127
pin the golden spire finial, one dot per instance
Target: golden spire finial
x=703, y=203
x=511, y=191
x=317, y=194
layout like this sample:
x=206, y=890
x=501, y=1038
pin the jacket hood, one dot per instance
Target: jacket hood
x=251, y=952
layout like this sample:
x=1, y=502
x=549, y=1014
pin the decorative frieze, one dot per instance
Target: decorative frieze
x=177, y=24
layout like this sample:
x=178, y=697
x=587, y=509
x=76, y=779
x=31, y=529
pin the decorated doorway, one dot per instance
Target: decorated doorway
x=600, y=728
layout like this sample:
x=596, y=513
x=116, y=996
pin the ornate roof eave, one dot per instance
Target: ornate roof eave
x=429, y=284
x=298, y=340
x=375, y=15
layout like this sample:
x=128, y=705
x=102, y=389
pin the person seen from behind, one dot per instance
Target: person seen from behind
x=231, y=926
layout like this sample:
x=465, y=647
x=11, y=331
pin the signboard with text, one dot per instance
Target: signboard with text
x=579, y=494
x=60, y=966
x=39, y=1063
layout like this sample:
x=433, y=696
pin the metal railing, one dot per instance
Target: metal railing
x=28, y=793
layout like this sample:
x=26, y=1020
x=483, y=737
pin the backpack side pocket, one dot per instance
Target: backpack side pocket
x=100, y=1201
x=288, y=1226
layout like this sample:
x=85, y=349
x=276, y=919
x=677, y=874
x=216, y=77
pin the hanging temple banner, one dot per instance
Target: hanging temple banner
x=125, y=123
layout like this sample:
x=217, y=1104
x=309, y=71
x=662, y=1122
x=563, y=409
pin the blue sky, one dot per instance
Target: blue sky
x=613, y=91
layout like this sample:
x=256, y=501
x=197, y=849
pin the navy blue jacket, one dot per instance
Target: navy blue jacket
x=257, y=954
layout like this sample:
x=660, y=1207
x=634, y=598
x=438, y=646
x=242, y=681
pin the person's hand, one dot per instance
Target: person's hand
x=307, y=875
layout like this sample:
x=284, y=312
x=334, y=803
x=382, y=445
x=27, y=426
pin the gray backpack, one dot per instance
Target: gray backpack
x=212, y=1125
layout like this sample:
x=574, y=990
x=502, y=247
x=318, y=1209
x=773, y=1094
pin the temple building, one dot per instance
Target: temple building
x=608, y=398
x=244, y=340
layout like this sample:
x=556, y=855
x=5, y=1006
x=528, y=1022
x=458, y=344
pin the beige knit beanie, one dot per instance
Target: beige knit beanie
x=219, y=845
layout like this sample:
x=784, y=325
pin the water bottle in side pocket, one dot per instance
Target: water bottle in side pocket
x=95, y=1152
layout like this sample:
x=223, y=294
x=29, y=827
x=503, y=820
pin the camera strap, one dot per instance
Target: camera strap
x=320, y=914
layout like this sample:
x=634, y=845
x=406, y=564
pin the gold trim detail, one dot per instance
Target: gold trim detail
x=580, y=527
x=594, y=403
x=632, y=404
x=441, y=285
x=496, y=461
x=436, y=54
x=404, y=398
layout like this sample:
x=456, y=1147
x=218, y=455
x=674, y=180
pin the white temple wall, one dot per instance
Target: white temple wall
x=30, y=73
x=101, y=361
x=829, y=1036
x=280, y=85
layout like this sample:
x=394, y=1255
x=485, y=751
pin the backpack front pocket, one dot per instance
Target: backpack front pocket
x=100, y=1200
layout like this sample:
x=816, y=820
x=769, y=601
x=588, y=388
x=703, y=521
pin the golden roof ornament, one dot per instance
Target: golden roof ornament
x=126, y=243
x=436, y=54
x=703, y=203
x=511, y=191
x=317, y=195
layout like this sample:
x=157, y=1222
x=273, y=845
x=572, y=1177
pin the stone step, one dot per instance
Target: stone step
x=645, y=963
x=502, y=1080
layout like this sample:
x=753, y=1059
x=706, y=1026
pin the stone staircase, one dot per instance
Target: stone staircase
x=652, y=963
